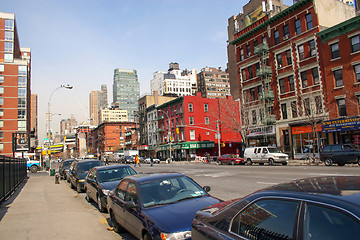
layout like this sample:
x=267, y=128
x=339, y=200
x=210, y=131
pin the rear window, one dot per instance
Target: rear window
x=336, y=148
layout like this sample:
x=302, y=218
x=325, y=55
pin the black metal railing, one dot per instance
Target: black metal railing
x=12, y=172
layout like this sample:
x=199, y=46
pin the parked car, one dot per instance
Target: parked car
x=100, y=180
x=67, y=174
x=78, y=172
x=261, y=155
x=126, y=159
x=157, y=206
x=155, y=160
x=340, y=154
x=64, y=167
x=313, y=208
x=229, y=159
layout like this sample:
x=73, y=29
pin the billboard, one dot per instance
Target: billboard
x=21, y=141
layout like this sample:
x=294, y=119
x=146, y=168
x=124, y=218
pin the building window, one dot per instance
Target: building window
x=1, y=123
x=22, y=81
x=206, y=107
x=288, y=57
x=335, y=53
x=279, y=60
x=1, y=112
x=2, y=68
x=243, y=74
x=22, y=125
x=276, y=37
x=312, y=48
x=9, y=36
x=355, y=43
x=257, y=66
x=318, y=104
x=21, y=92
x=301, y=52
x=8, y=57
x=341, y=107
x=255, y=43
x=304, y=79
x=248, y=50
x=315, y=75
x=9, y=24
x=22, y=70
x=242, y=54
x=282, y=86
x=286, y=32
x=1, y=135
x=297, y=26
x=264, y=39
x=1, y=101
x=1, y=78
x=191, y=120
x=291, y=83
x=357, y=72
x=252, y=94
x=307, y=107
x=309, y=23
x=294, y=110
x=338, y=78
x=254, y=118
x=207, y=120
x=1, y=90
x=9, y=47
x=192, y=134
x=21, y=102
x=21, y=114
x=284, y=111
x=251, y=73
x=191, y=107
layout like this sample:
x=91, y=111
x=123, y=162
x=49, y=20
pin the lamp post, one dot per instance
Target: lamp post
x=169, y=132
x=67, y=86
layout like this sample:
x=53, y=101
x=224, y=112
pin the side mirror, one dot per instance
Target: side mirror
x=130, y=204
x=206, y=188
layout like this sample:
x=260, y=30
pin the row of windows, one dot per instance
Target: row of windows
x=355, y=47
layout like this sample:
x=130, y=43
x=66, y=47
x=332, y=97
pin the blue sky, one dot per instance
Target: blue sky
x=81, y=42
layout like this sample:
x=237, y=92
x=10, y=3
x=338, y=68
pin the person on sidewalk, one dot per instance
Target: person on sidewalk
x=151, y=160
x=137, y=161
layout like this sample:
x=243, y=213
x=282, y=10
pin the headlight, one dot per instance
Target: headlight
x=81, y=180
x=176, y=236
x=105, y=192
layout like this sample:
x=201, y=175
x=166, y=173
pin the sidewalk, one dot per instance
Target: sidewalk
x=41, y=209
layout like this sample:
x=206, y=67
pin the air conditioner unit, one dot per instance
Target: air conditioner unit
x=286, y=37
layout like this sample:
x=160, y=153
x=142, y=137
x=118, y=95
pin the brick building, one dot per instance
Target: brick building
x=15, y=91
x=213, y=83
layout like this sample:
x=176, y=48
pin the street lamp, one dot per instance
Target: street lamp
x=169, y=132
x=67, y=86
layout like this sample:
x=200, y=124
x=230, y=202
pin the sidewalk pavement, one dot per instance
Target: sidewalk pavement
x=41, y=209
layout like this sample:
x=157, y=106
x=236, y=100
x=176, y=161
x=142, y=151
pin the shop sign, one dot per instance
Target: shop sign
x=304, y=129
x=196, y=145
x=339, y=125
x=261, y=131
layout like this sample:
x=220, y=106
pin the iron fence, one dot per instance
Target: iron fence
x=12, y=172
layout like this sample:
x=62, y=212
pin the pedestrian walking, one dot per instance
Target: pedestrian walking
x=208, y=158
x=137, y=161
x=106, y=160
x=151, y=160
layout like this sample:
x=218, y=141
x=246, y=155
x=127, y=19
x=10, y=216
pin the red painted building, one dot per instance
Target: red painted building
x=278, y=73
x=195, y=123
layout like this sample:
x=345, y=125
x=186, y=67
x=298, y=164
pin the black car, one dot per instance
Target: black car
x=64, y=167
x=78, y=172
x=100, y=180
x=313, y=208
x=340, y=154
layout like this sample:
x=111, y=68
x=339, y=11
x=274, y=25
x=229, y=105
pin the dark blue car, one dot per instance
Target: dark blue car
x=100, y=180
x=313, y=208
x=78, y=171
x=157, y=206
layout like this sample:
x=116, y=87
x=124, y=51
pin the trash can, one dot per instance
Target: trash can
x=52, y=172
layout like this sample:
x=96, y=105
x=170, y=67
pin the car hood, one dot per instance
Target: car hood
x=109, y=185
x=280, y=154
x=178, y=216
x=82, y=175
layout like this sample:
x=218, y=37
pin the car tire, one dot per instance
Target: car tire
x=78, y=189
x=328, y=162
x=117, y=227
x=220, y=162
x=100, y=206
x=271, y=162
x=358, y=161
x=232, y=162
x=34, y=169
x=249, y=162
x=147, y=236
x=284, y=163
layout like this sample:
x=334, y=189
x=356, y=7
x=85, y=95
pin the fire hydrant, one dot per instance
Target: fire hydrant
x=56, y=178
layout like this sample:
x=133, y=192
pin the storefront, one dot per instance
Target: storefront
x=262, y=136
x=180, y=151
x=304, y=142
x=342, y=130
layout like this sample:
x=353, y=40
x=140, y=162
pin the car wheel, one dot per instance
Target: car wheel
x=358, y=162
x=341, y=164
x=78, y=189
x=328, y=162
x=271, y=162
x=117, y=227
x=232, y=162
x=147, y=236
x=249, y=162
x=33, y=169
x=100, y=206
x=284, y=163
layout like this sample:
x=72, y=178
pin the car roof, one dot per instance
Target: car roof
x=148, y=177
x=328, y=188
x=112, y=167
x=88, y=160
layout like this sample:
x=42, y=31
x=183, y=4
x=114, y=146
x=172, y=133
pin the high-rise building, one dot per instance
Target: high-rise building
x=213, y=83
x=113, y=115
x=67, y=126
x=97, y=101
x=126, y=91
x=15, y=91
x=34, y=120
x=174, y=82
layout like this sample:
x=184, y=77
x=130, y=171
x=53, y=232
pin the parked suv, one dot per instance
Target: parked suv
x=263, y=155
x=340, y=154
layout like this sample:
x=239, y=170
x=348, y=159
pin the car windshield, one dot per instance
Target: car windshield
x=168, y=191
x=67, y=164
x=86, y=166
x=114, y=174
x=274, y=150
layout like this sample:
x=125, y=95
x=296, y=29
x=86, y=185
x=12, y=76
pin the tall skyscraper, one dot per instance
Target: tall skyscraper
x=126, y=91
x=15, y=91
x=97, y=100
x=103, y=97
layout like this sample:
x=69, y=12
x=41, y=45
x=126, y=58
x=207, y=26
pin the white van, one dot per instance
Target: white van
x=263, y=155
